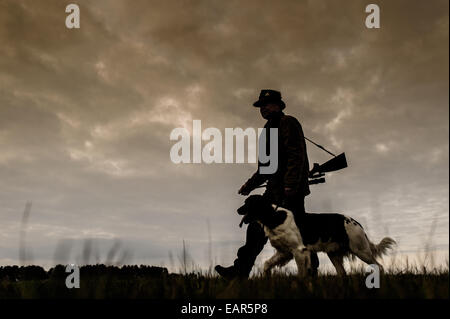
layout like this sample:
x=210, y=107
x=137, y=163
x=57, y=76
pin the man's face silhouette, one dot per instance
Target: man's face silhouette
x=268, y=110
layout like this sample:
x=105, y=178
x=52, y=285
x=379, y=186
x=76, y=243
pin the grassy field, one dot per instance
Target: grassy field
x=100, y=281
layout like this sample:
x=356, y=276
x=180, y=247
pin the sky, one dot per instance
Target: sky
x=86, y=115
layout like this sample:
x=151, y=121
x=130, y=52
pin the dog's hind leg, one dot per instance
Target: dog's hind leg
x=368, y=258
x=279, y=259
x=360, y=245
x=338, y=262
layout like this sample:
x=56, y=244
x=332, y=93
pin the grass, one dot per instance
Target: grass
x=104, y=281
x=101, y=281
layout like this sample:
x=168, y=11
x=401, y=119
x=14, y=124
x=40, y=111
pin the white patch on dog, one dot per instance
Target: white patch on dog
x=358, y=240
x=286, y=237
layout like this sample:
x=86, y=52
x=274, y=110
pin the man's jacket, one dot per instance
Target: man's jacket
x=293, y=165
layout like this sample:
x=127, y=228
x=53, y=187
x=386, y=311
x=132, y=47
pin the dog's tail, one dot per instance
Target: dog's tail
x=382, y=248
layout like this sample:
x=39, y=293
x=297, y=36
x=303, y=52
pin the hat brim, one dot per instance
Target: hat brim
x=263, y=102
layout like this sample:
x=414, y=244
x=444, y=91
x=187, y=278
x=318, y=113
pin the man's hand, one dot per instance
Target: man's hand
x=244, y=190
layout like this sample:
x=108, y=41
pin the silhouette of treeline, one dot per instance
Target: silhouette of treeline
x=24, y=273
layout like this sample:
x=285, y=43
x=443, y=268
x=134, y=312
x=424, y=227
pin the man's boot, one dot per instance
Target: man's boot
x=228, y=273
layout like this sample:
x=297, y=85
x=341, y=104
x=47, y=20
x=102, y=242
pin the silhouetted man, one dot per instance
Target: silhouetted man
x=287, y=187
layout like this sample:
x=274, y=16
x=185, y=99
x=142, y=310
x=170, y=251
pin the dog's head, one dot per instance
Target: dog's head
x=254, y=208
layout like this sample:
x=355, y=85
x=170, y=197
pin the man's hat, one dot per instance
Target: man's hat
x=269, y=96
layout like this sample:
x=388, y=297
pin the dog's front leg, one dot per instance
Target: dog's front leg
x=277, y=259
x=303, y=261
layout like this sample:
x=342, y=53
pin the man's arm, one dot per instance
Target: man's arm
x=256, y=180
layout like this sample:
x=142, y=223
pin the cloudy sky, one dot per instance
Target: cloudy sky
x=86, y=115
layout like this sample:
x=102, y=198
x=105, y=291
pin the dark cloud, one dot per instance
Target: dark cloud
x=85, y=116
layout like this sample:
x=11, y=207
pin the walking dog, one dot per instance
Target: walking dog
x=337, y=235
